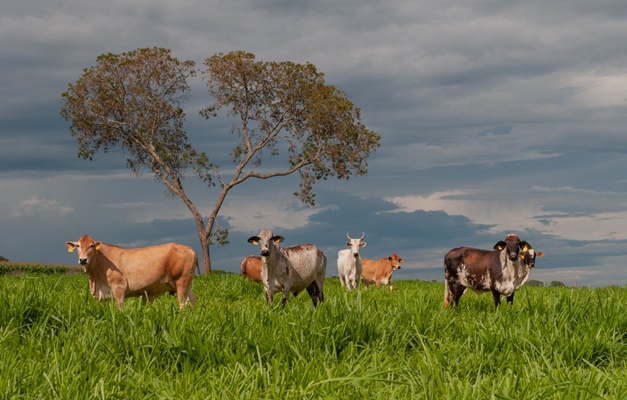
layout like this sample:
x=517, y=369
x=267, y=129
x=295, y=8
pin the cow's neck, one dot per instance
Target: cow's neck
x=520, y=270
x=98, y=268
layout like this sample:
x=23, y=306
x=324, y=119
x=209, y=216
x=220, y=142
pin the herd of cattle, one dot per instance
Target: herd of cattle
x=118, y=273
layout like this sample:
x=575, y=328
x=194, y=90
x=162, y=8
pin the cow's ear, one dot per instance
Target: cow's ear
x=70, y=246
x=500, y=245
x=254, y=240
x=97, y=245
x=277, y=239
x=524, y=245
x=400, y=260
x=539, y=254
x=363, y=244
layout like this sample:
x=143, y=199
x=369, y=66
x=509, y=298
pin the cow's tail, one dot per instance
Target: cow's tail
x=242, y=267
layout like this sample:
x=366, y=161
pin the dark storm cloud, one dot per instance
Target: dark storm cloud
x=495, y=117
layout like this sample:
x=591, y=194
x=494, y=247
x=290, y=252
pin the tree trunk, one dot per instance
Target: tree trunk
x=206, y=259
x=204, y=241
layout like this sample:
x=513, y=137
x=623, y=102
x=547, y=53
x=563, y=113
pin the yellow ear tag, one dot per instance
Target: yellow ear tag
x=255, y=242
x=98, y=247
x=522, y=256
x=525, y=248
x=500, y=248
x=70, y=249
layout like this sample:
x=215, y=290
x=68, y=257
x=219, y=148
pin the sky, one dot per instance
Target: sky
x=495, y=118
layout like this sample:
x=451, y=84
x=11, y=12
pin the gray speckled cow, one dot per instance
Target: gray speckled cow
x=290, y=269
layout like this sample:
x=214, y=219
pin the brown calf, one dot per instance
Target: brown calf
x=380, y=271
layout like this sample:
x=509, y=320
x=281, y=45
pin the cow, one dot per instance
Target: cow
x=528, y=259
x=349, y=262
x=141, y=272
x=251, y=268
x=500, y=271
x=380, y=271
x=290, y=269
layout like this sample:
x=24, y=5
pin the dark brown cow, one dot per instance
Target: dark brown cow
x=501, y=271
x=251, y=268
x=380, y=271
x=149, y=272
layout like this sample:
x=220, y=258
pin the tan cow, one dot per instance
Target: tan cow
x=148, y=272
x=251, y=268
x=380, y=271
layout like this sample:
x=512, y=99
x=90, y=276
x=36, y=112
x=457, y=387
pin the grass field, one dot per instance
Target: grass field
x=56, y=342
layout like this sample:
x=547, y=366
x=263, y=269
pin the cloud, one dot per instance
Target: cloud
x=36, y=207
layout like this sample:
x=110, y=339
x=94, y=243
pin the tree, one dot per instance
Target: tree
x=132, y=103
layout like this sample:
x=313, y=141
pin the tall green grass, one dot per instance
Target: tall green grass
x=56, y=342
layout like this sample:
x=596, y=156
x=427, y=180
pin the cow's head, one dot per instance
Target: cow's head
x=87, y=249
x=528, y=254
x=512, y=244
x=355, y=244
x=265, y=239
x=396, y=261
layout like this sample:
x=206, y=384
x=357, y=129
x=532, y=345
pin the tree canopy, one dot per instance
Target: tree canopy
x=133, y=103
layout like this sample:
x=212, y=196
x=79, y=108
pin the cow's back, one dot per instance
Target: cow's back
x=149, y=265
x=308, y=265
x=476, y=269
x=344, y=261
x=374, y=270
x=251, y=268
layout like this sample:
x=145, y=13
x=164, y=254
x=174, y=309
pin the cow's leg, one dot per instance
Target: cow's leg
x=269, y=297
x=448, y=294
x=497, y=297
x=342, y=281
x=118, y=295
x=190, y=298
x=314, y=292
x=353, y=281
x=510, y=299
x=455, y=292
x=286, y=294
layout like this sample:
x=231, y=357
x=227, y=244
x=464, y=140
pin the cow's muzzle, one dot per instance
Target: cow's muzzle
x=265, y=253
x=82, y=261
x=513, y=256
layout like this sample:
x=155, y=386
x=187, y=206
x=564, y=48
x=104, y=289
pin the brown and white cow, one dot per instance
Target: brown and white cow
x=380, y=271
x=251, y=268
x=500, y=271
x=290, y=269
x=147, y=272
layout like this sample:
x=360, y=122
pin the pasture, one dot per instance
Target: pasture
x=56, y=342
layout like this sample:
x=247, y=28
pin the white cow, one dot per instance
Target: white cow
x=290, y=269
x=349, y=263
